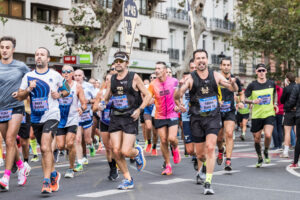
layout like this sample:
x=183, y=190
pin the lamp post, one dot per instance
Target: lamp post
x=70, y=41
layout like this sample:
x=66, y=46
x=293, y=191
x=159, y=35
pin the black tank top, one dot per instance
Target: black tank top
x=204, y=95
x=124, y=98
x=228, y=99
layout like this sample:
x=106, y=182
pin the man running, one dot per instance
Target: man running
x=227, y=109
x=69, y=117
x=166, y=117
x=204, y=109
x=261, y=94
x=43, y=85
x=11, y=110
x=242, y=117
x=85, y=123
x=126, y=88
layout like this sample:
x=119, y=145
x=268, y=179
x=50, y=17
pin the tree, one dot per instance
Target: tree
x=95, y=27
x=3, y=20
x=272, y=28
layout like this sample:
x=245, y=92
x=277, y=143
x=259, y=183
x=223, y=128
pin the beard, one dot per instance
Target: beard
x=202, y=67
x=41, y=66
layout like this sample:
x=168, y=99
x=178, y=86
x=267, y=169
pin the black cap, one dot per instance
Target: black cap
x=261, y=65
x=121, y=55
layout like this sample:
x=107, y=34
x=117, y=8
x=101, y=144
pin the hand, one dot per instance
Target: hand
x=182, y=109
x=256, y=101
x=241, y=105
x=232, y=81
x=32, y=84
x=55, y=95
x=276, y=108
x=221, y=103
x=176, y=109
x=15, y=95
x=79, y=111
x=135, y=115
x=101, y=106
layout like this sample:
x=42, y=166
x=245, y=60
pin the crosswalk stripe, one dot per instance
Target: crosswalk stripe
x=171, y=181
x=263, y=165
x=225, y=172
x=103, y=193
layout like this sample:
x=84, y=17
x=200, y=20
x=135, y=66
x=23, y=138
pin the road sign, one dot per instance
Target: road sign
x=70, y=59
x=130, y=15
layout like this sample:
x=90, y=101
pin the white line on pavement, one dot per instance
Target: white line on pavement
x=103, y=193
x=145, y=171
x=223, y=172
x=292, y=171
x=243, y=150
x=171, y=181
x=256, y=188
x=263, y=165
x=285, y=161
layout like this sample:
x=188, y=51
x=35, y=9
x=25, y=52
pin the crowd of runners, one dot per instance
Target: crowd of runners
x=65, y=113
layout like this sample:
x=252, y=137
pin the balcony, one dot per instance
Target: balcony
x=173, y=55
x=216, y=59
x=141, y=48
x=242, y=68
x=154, y=14
x=178, y=16
x=221, y=26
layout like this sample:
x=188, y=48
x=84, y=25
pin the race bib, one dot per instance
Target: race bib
x=106, y=113
x=120, y=102
x=86, y=116
x=40, y=104
x=208, y=104
x=5, y=115
x=265, y=99
x=24, y=119
x=67, y=101
x=245, y=105
x=187, y=96
x=226, y=106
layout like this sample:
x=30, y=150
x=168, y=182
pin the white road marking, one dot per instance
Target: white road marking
x=263, y=165
x=103, y=193
x=285, y=161
x=223, y=172
x=292, y=171
x=171, y=181
x=256, y=188
x=241, y=145
x=243, y=150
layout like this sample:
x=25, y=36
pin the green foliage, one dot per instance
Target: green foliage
x=270, y=27
x=3, y=20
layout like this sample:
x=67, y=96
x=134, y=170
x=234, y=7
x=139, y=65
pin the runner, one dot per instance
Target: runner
x=125, y=88
x=42, y=85
x=104, y=124
x=261, y=94
x=69, y=117
x=11, y=110
x=85, y=123
x=166, y=117
x=289, y=113
x=242, y=117
x=204, y=109
x=227, y=109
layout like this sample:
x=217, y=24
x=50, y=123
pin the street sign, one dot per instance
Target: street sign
x=85, y=59
x=70, y=60
x=130, y=15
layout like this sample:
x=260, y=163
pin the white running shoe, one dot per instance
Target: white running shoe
x=22, y=178
x=4, y=183
x=28, y=168
x=1, y=162
x=85, y=161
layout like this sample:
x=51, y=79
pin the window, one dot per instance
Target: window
x=146, y=43
x=184, y=39
x=117, y=39
x=12, y=8
x=106, y=3
x=43, y=15
x=145, y=6
x=204, y=42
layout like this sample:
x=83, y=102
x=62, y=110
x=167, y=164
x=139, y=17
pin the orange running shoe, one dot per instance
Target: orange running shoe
x=148, y=148
x=154, y=152
x=46, y=188
x=167, y=171
x=55, y=182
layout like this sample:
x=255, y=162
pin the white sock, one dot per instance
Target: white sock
x=286, y=149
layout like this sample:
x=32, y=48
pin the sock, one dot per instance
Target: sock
x=243, y=133
x=114, y=164
x=286, y=149
x=154, y=146
x=47, y=180
x=208, y=178
x=258, y=149
x=228, y=158
x=26, y=160
x=53, y=174
x=204, y=163
x=33, y=145
x=110, y=165
x=149, y=141
x=7, y=173
x=266, y=152
x=20, y=164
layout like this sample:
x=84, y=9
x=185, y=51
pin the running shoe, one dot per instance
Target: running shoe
x=293, y=165
x=284, y=155
x=28, y=168
x=4, y=183
x=167, y=171
x=243, y=137
x=22, y=178
x=154, y=152
x=56, y=157
x=259, y=163
x=126, y=184
x=1, y=162
x=140, y=159
x=78, y=168
x=92, y=151
x=14, y=168
x=267, y=158
x=35, y=158
x=199, y=178
x=228, y=165
x=208, y=189
x=146, y=144
x=55, y=182
x=195, y=163
x=61, y=153
x=113, y=174
x=85, y=161
x=132, y=160
x=220, y=158
x=69, y=173
x=164, y=165
x=148, y=148
x=46, y=188
x=176, y=155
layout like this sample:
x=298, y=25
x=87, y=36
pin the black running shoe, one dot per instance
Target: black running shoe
x=228, y=165
x=113, y=174
x=132, y=160
x=208, y=189
x=199, y=180
x=195, y=163
x=14, y=168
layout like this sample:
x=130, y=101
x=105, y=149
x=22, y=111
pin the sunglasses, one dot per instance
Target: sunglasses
x=261, y=70
x=66, y=71
x=119, y=61
x=152, y=77
x=113, y=69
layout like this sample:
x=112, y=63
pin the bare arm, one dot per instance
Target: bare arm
x=108, y=92
x=81, y=97
x=140, y=85
x=97, y=101
x=229, y=84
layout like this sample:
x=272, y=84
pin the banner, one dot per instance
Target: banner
x=130, y=15
x=191, y=24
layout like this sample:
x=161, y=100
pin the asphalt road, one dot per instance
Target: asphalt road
x=272, y=181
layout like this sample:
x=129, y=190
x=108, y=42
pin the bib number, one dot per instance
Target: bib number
x=5, y=115
x=265, y=99
x=40, y=104
x=66, y=101
x=86, y=116
x=226, y=106
x=120, y=102
x=208, y=104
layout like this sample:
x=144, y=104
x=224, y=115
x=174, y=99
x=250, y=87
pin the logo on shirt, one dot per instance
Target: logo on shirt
x=120, y=90
x=164, y=92
x=50, y=80
x=204, y=90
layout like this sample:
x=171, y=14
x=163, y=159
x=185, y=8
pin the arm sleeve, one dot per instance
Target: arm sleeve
x=293, y=98
x=283, y=96
x=24, y=83
x=65, y=86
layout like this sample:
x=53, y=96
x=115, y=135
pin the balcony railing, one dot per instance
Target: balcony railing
x=173, y=54
x=221, y=25
x=216, y=59
x=174, y=13
x=141, y=48
x=242, y=68
x=155, y=14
